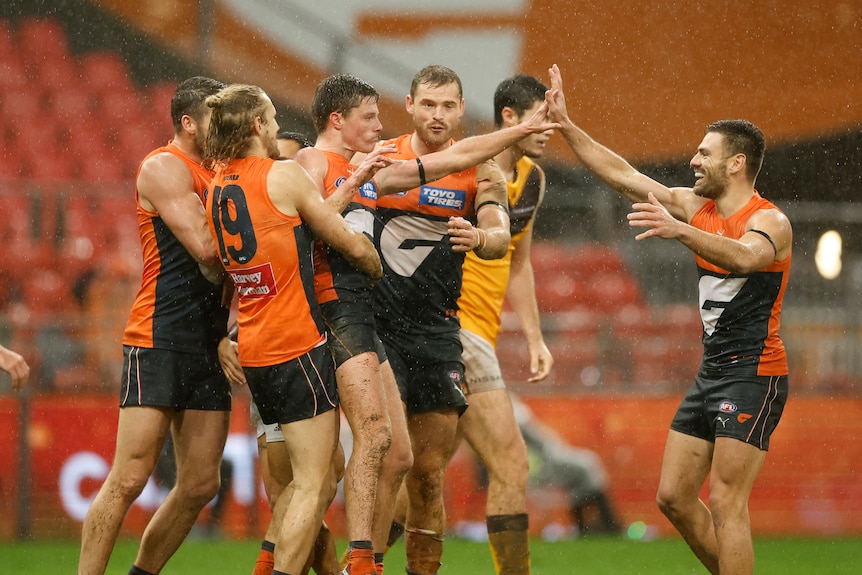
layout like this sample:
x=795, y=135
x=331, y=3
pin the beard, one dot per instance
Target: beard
x=272, y=151
x=434, y=139
x=713, y=187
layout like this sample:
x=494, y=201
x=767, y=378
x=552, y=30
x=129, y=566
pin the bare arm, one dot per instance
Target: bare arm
x=13, y=363
x=165, y=186
x=293, y=192
x=490, y=237
x=750, y=253
x=611, y=168
x=521, y=294
x=460, y=156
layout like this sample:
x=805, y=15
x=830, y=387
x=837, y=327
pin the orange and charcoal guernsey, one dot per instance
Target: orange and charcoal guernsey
x=334, y=277
x=411, y=232
x=176, y=308
x=741, y=313
x=268, y=255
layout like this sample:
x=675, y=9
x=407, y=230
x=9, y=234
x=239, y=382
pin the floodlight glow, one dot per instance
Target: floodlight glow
x=828, y=256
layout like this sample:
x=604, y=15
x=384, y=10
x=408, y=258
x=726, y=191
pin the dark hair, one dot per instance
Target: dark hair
x=742, y=137
x=436, y=75
x=297, y=137
x=189, y=98
x=519, y=93
x=339, y=93
x=231, y=132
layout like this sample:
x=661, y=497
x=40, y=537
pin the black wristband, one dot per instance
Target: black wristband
x=422, y=179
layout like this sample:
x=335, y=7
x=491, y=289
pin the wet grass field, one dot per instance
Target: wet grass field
x=593, y=556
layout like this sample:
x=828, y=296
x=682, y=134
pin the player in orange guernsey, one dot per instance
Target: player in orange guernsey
x=742, y=245
x=275, y=469
x=423, y=235
x=262, y=215
x=345, y=113
x=171, y=377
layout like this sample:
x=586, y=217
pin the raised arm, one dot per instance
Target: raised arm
x=293, y=191
x=464, y=154
x=609, y=166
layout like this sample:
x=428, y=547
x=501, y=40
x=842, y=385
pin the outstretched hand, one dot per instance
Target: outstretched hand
x=653, y=215
x=555, y=98
x=539, y=122
x=373, y=163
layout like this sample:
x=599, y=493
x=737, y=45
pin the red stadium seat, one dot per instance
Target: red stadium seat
x=71, y=107
x=560, y=291
x=20, y=107
x=548, y=257
x=590, y=259
x=7, y=48
x=11, y=162
x=58, y=74
x=159, y=96
x=41, y=38
x=106, y=166
x=611, y=291
x=45, y=292
x=104, y=71
x=13, y=75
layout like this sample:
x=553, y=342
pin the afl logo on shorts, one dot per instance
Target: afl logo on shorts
x=455, y=376
x=727, y=407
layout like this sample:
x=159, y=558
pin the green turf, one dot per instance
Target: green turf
x=597, y=556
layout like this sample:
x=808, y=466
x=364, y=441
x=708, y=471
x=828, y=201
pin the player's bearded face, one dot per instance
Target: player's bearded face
x=437, y=112
x=710, y=165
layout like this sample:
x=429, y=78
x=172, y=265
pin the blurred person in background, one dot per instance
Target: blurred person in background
x=171, y=379
x=579, y=472
x=742, y=245
x=13, y=363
